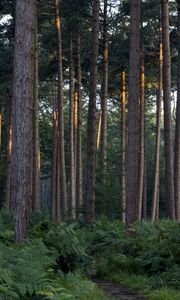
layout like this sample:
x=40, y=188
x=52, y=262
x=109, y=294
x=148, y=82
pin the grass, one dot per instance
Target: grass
x=140, y=282
x=164, y=294
x=98, y=294
x=137, y=282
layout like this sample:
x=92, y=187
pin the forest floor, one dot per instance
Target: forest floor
x=117, y=291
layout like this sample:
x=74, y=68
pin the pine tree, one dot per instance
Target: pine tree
x=132, y=167
x=123, y=142
x=177, y=133
x=168, y=138
x=23, y=99
x=155, y=195
x=63, y=205
x=91, y=146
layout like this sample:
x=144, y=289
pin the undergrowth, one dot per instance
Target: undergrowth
x=51, y=263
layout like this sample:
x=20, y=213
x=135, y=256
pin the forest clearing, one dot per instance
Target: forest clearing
x=90, y=149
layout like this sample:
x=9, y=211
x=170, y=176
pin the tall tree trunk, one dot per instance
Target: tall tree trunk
x=123, y=142
x=168, y=139
x=71, y=135
x=155, y=195
x=104, y=88
x=132, y=167
x=61, y=114
x=177, y=134
x=54, y=163
x=36, y=144
x=141, y=159
x=23, y=99
x=91, y=144
x=9, y=153
x=79, y=178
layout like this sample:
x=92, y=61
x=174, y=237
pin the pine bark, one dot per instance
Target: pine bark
x=177, y=133
x=36, y=143
x=71, y=134
x=155, y=195
x=141, y=159
x=91, y=144
x=132, y=163
x=104, y=88
x=23, y=99
x=168, y=138
x=79, y=178
x=61, y=114
x=123, y=143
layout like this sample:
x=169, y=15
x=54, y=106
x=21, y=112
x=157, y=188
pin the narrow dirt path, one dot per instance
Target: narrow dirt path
x=117, y=291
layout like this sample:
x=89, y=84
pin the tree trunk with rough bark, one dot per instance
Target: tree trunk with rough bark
x=23, y=99
x=61, y=114
x=168, y=137
x=132, y=162
x=91, y=143
x=123, y=142
x=36, y=144
x=177, y=133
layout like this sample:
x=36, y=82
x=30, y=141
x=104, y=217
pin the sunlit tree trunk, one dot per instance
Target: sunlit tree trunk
x=141, y=159
x=99, y=131
x=155, y=195
x=168, y=138
x=61, y=114
x=123, y=142
x=132, y=162
x=177, y=134
x=91, y=144
x=23, y=99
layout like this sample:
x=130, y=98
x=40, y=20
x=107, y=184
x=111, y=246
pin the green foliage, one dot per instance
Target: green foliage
x=6, y=227
x=68, y=244
x=152, y=249
x=164, y=294
x=147, y=259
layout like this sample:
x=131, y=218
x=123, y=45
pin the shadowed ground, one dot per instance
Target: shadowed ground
x=117, y=291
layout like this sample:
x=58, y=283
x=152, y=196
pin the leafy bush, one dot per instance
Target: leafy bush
x=68, y=244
